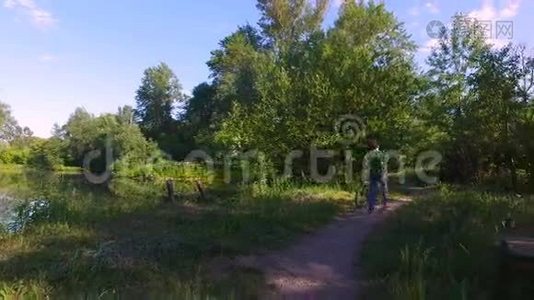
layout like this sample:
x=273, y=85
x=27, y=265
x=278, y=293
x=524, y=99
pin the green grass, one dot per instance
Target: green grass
x=10, y=168
x=443, y=246
x=123, y=240
x=17, y=169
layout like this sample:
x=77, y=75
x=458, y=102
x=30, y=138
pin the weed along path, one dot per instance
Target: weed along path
x=322, y=265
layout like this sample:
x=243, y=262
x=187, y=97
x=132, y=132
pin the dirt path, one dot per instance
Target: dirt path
x=322, y=265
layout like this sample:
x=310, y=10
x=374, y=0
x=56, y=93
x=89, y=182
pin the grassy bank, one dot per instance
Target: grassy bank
x=443, y=246
x=14, y=169
x=90, y=241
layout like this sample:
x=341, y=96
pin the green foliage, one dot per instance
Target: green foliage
x=276, y=87
x=126, y=115
x=84, y=133
x=473, y=97
x=24, y=290
x=123, y=240
x=303, y=90
x=202, y=109
x=158, y=93
x=285, y=83
x=443, y=246
x=47, y=155
x=15, y=141
x=14, y=155
x=10, y=131
x=409, y=283
x=159, y=168
x=284, y=22
x=156, y=98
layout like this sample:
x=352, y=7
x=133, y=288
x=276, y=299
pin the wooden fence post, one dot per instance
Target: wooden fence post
x=170, y=190
x=200, y=189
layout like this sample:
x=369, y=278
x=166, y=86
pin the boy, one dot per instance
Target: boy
x=375, y=173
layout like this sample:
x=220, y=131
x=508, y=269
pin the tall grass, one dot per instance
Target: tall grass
x=121, y=239
x=165, y=169
x=410, y=283
x=442, y=246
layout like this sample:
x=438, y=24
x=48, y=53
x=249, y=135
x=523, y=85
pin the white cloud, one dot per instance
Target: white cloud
x=432, y=6
x=428, y=46
x=47, y=57
x=39, y=16
x=511, y=9
x=414, y=11
x=486, y=12
x=490, y=13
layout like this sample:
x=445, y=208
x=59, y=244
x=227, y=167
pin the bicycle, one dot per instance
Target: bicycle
x=360, y=197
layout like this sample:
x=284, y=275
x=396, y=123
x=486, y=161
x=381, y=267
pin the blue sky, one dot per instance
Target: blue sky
x=56, y=55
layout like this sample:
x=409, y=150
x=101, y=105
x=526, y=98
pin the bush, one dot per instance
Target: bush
x=46, y=155
x=14, y=155
x=160, y=168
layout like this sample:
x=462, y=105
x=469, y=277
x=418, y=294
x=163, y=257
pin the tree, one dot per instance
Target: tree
x=233, y=68
x=84, y=133
x=160, y=90
x=525, y=143
x=125, y=114
x=526, y=69
x=368, y=59
x=47, y=154
x=9, y=127
x=524, y=127
x=203, y=112
x=15, y=141
x=284, y=22
x=79, y=134
x=367, y=71
x=449, y=96
x=496, y=107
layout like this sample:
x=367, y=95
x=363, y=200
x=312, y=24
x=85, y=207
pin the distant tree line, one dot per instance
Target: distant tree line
x=282, y=85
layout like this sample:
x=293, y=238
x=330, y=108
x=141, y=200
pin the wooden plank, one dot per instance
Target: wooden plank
x=520, y=247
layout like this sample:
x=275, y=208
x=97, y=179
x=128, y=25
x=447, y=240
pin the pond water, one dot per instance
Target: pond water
x=26, y=196
x=7, y=210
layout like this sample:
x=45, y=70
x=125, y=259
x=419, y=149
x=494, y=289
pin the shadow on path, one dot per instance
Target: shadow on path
x=322, y=265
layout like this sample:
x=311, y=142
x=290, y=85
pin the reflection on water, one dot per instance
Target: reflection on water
x=30, y=197
x=24, y=196
x=16, y=214
x=19, y=216
x=7, y=211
